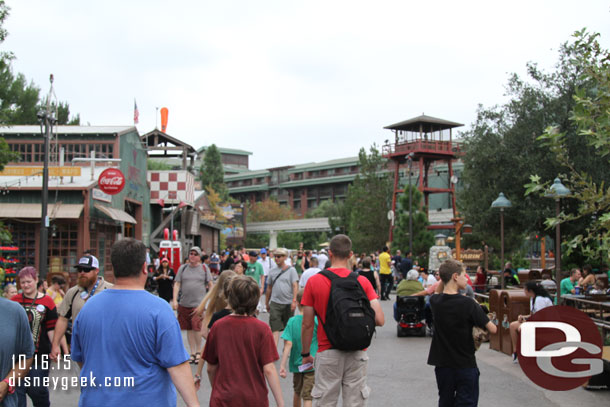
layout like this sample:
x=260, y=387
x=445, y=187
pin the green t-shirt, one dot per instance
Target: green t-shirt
x=292, y=333
x=255, y=270
x=566, y=286
x=299, y=265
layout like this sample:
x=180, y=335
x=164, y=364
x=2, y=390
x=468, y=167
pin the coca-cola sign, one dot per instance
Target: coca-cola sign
x=111, y=181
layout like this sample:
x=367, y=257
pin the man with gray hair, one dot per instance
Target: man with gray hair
x=407, y=287
x=281, y=298
x=147, y=354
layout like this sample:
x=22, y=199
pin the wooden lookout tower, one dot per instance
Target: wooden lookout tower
x=423, y=140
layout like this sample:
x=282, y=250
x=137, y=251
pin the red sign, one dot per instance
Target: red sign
x=111, y=181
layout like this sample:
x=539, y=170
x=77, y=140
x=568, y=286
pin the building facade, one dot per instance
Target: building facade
x=81, y=216
x=304, y=187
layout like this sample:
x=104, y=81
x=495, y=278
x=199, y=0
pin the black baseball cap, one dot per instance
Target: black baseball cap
x=88, y=262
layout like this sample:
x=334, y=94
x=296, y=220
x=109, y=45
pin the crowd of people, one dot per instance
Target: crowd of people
x=215, y=302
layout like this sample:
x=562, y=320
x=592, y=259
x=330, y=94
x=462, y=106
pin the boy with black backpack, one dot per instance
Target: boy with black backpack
x=348, y=310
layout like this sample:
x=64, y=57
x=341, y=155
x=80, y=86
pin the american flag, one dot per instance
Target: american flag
x=136, y=113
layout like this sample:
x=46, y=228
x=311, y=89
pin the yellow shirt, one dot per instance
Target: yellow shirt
x=58, y=298
x=384, y=263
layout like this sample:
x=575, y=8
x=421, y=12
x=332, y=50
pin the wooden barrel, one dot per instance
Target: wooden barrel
x=512, y=304
x=494, y=307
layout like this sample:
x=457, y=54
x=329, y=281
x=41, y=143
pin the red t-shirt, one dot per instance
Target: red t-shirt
x=240, y=346
x=316, y=295
x=42, y=315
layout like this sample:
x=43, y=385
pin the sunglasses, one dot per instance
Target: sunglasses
x=193, y=254
x=279, y=255
x=82, y=271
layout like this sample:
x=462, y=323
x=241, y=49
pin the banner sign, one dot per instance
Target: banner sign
x=33, y=171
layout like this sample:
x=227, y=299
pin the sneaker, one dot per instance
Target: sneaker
x=515, y=359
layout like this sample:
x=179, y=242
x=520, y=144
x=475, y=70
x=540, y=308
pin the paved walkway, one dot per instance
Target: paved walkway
x=399, y=376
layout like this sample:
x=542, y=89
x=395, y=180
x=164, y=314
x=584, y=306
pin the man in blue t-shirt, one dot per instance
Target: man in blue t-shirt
x=16, y=344
x=128, y=342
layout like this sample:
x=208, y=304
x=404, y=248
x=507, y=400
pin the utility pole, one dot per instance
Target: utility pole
x=47, y=120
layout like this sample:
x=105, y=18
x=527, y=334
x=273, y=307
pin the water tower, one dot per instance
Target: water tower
x=425, y=140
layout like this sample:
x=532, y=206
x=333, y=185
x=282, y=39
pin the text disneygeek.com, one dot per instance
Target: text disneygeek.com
x=63, y=383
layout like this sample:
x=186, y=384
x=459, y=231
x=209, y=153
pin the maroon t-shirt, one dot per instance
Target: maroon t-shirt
x=240, y=346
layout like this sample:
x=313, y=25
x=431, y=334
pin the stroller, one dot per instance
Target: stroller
x=411, y=316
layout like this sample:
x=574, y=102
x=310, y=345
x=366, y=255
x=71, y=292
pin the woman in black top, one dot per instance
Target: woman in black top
x=164, y=276
x=370, y=275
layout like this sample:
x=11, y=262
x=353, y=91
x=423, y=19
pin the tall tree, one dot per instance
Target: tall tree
x=501, y=152
x=334, y=212
x=368, y=202
x=211, y=172
x=20, y=100
x=423, y=238
x=63, y=115
x=268, y=211
x=590, y=117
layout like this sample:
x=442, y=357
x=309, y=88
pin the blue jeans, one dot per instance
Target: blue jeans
x=39, y=394
x=457, y=387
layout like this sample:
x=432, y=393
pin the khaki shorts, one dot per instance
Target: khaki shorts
x=340, y=373
x=303, y=384
x=187, y=320
x=279, y=314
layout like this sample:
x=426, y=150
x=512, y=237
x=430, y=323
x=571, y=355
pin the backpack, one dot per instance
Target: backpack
x=350, y=320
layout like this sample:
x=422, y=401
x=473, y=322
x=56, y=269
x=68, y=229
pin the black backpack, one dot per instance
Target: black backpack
x=350, y=320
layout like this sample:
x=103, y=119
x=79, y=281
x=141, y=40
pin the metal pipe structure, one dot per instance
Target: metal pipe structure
x=558, y=251
x=410, y=163
x=502, y=246
x=46, y=120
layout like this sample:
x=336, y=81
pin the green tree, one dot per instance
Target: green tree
x=155, y=165
x=368, y=202
x=590, y=116
x=63, y=115
x=423, y=238
x=501, y=153
x=268, y=211
x=20, y=100
x=211, y=172
x=334, y=212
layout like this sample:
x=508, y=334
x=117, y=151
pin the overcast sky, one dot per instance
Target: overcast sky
x=290, y=81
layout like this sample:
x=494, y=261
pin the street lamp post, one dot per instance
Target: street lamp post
x=556, y=192
x=47, y=120
x=501, y=202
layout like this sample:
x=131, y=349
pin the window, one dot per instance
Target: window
x=38, y=153
x=24, y=238
x=341, y=189
x=325, y=191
